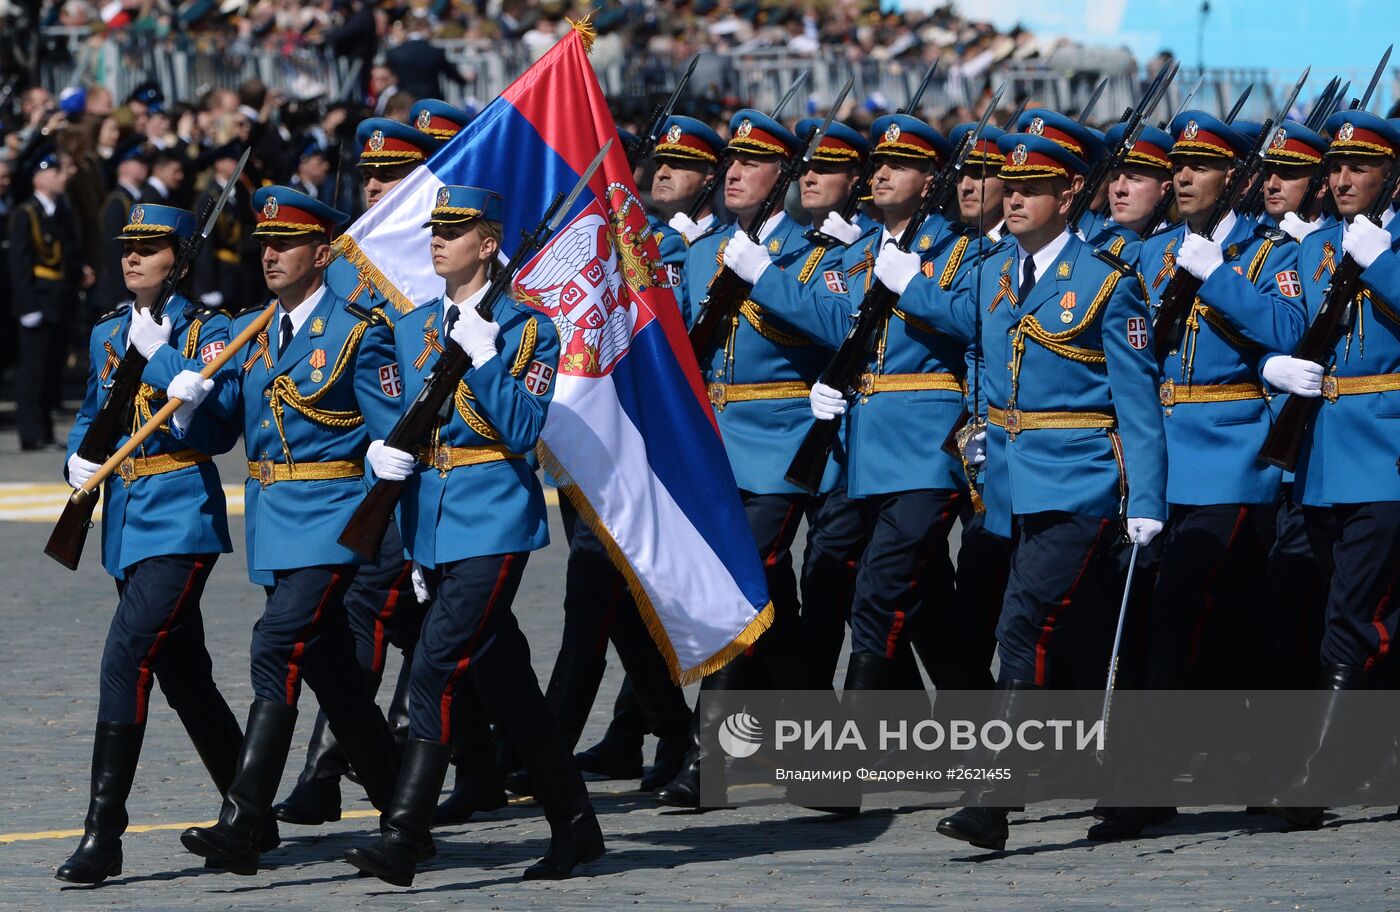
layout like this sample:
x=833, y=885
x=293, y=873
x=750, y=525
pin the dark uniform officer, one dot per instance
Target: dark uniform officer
x=311, y=390
x=131, y=170
x=227, y=274
x=46, y=272
x=163, y=528
x=381, y=604
x=473, y=510
x=1348, y=477
x=1074, y=435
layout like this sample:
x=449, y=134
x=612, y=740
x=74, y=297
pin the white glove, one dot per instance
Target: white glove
x=1293, y=375
x=420, y=585
x=1142, y=531
x=689, y=229
x=1297, y=226
x=827, y=401
x=31, y=319
x=389, y=463
x=1364, y=240
x=837, y=227
x=146, y=335
x=190, y=388
x=80, y=470
x=896, y=268
x=1200, y=256
x=745, y=258
x=976, y=450
x=477, y=336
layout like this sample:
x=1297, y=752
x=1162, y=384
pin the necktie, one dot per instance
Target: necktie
x=1027, y=280
x=286, y=327
x=452, y=314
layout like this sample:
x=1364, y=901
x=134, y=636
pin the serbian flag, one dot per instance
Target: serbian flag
x=629, y=433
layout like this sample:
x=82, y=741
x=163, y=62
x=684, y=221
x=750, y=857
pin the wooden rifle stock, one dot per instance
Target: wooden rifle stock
x=1171, y=313
x=725, y=291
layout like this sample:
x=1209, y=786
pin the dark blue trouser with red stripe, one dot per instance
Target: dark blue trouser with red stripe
x=904, y=531
x=1358, y=546
x=1209, y=624
x=471, y=637
x=303, y=635
x=157, y=635
x=1062, y=596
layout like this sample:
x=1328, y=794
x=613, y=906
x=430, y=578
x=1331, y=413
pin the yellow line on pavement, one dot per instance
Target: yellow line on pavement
x=6, y=838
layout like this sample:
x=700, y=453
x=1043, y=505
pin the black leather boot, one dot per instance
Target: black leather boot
x=684, y=789
x=369, y=746
x=1129, y=822
x=1328, y=753
x=574, y=839
x=478, y=786
x=315, y=799
x=983, y=822
x=619, y=754
x=573, y=684
x=235, y=840
x=398, y=705
x=405, y=838
x=116, y=747
x=670, y=756
x=218, y=740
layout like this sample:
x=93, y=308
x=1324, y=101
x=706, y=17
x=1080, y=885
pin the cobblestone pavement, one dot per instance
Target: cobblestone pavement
x=759, y=856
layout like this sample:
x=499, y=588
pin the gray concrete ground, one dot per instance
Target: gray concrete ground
x=758, y=856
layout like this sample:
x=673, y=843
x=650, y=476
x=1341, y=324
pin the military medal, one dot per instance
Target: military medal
x=1067, y=302
x=318, y=361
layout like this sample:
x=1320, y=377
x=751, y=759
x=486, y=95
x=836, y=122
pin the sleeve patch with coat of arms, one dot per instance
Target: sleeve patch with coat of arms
x=211, y=351
x=538, y=378
x=1289, y=285
x=835, y=280
x=390, y=381
x=1138, y=335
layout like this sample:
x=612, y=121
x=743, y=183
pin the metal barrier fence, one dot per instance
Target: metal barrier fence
x=185, y=67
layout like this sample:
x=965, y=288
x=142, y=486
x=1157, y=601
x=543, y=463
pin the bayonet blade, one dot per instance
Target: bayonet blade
x=225, y=194
x=562, y=212
x=1239, y=104
x=912, y=105
x=816, y=138
x=1094, y=100
x=1267, y=138
x=971, y=139
x=1376, y=78
x=792, y=90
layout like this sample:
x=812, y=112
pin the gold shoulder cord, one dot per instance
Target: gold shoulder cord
x=463, y=397
x=1030, y=327
x=284, y=391
x=1218, y=321
x=49, y=255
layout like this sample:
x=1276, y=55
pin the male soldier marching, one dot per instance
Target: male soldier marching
x=312, y=390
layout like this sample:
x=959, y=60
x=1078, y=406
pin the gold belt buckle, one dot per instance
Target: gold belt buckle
x=1167, y=393
x=127, y=470
x=266, y=473
x=1329, y=387
x=867, y=384
x=1013, y=423
x=442, y=460
x=718, y=395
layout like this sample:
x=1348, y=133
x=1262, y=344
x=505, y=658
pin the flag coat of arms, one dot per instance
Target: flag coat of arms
x=629, y=434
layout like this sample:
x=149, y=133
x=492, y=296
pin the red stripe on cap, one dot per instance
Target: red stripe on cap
x=290, y=214
x=759, y=140
x=1059, y=137
x=390, y=146
x=1204, y=143
x=689, y=146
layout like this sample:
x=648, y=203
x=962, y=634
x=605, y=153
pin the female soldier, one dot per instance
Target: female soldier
x=163, y=527
x=472, y=512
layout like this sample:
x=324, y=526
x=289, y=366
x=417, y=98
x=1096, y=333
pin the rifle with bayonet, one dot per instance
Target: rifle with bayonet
x=861, y=188
x=1311, y=199
x=364, y=532
x=809, y=464
x=727, y=291
x=1335, y=318
x=1180, y=294
x=707, y=192
x=113, y=418
x=1135, y=118
x=1164, y=205
x=641, y=150
x=1253, y=204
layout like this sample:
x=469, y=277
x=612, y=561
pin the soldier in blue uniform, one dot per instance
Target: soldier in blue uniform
x=381, y=604
x=596, y=600
x=908, y=490
x=1293, y=158
x=1223, y=499
x=759, y=370
x=472, y=512
x=1347, y=479
x=312, y=391
x=164, y=526
x=686, y=160
x=980, y=190
x=1134, y=190
x=437, y=118
x=1074, y=442
x=1082, y=142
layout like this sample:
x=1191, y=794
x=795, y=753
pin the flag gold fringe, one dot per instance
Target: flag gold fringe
x=347, y=248
x=587, y=33
x=746, y=637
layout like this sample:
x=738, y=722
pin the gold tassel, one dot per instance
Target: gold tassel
x=586, y=32
x=681, y=676
x=351, y=251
